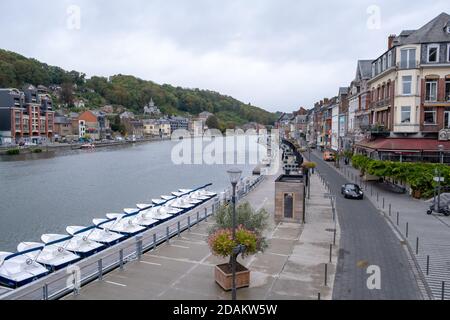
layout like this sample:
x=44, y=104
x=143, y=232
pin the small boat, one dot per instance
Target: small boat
x=145, y=219
x=54, y=257
x=167, y=198
x=158, y=202
x=88, y=146
x=95, y=234
x=132, y=211
x=116, y=223
x=16, y=270
x=181, y=203
x=158, y=213
x=144, y=206
x=80, y=245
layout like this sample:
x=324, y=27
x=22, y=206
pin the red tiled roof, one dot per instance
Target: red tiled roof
x=404, y=144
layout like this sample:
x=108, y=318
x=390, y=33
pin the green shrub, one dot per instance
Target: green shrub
x=417, y=175
x=12, y=152
x=222, y=244
x=36, y=150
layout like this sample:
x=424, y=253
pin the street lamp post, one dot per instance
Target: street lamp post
x=235, y=176
x=441, y=153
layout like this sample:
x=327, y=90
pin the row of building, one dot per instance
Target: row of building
x=398, y=105
x=28, y=116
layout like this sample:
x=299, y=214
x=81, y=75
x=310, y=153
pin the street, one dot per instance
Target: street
x=367, y=240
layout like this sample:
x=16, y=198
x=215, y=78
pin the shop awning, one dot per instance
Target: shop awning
x=404, y=145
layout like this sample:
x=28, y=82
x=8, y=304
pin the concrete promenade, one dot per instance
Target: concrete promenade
x=293, y=267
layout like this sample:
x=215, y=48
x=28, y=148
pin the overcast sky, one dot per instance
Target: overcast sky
x=278, y=55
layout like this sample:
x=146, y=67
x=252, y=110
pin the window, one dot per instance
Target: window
x=389, y=62
x=447, y=90
x=407, y=84
x=431, y=90
x=406, y=114
x=429, y=116
x=433, y=53
x=448, y=52
x=447, y=119
x=384, y=62
x=408, y=58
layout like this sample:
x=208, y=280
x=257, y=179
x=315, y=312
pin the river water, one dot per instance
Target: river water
x=44, y=193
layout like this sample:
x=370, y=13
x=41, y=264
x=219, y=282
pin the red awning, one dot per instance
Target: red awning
x=417, y=145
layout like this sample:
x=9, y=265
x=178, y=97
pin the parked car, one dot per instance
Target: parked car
x=352, y=191
x=328, y=156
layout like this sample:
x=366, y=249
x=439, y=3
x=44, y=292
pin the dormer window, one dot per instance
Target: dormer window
x=433, y=53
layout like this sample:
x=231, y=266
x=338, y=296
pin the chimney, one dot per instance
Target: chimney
x=391, y=41
x=325, y=101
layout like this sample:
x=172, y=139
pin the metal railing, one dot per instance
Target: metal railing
x=70, y=279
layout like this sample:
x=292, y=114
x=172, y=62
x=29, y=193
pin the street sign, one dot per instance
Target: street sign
x=439, y=179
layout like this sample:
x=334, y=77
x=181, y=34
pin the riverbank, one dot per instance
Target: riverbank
x=76, y=146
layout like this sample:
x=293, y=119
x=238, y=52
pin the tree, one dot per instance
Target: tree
x=67, y=94
x=213, y=122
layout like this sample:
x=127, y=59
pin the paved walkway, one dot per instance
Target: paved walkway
x=431, y=232
x=292, y=267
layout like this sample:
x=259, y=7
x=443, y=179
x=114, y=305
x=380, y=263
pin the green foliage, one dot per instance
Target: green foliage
x=130, y=92
x=309, y=165
x=12, y=152
x=222, y=244
x=249, y=219
x=213, y=123
x=37, y=150
x=417, y=175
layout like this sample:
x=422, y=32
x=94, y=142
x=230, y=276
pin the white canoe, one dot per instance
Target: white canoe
x=79, y=245
x=17, y=270
x=118, y=224
x=97, y=235
x=54, y=256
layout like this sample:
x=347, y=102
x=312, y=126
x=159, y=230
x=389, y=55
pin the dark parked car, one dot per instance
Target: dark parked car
x=352, y=191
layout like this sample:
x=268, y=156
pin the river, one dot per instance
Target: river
x=44, y=193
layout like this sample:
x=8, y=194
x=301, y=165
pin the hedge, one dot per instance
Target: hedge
x=417, y=175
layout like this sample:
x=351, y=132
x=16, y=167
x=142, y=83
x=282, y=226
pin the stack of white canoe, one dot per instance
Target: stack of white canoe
x=35, y=260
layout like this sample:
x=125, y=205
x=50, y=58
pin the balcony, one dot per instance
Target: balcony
x=408, y=65
x=375, y=129
x=406, y=128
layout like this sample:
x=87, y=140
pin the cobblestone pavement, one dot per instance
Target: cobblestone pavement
x=367, y=240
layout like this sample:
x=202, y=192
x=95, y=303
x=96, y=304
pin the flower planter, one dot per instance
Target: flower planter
x=224, y=276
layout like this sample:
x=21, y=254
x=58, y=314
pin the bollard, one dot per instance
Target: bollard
x=334, y=237
x=428, y=265
x=326, y=275
x=417, y=246
x=398, y=218
x=198, y=218
x=139, y=246
x=189, y=223
x=383, y=203
x=154, y=241
x=371, y=191
x=121, y=259
x=378, y=197
x=179, y=229
x=331, y=253
x=45, y=292
x=167, y=235
x=443, y=290
x=407, y=229
x=100, y=270
x=318, y=296
x=390, y=209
